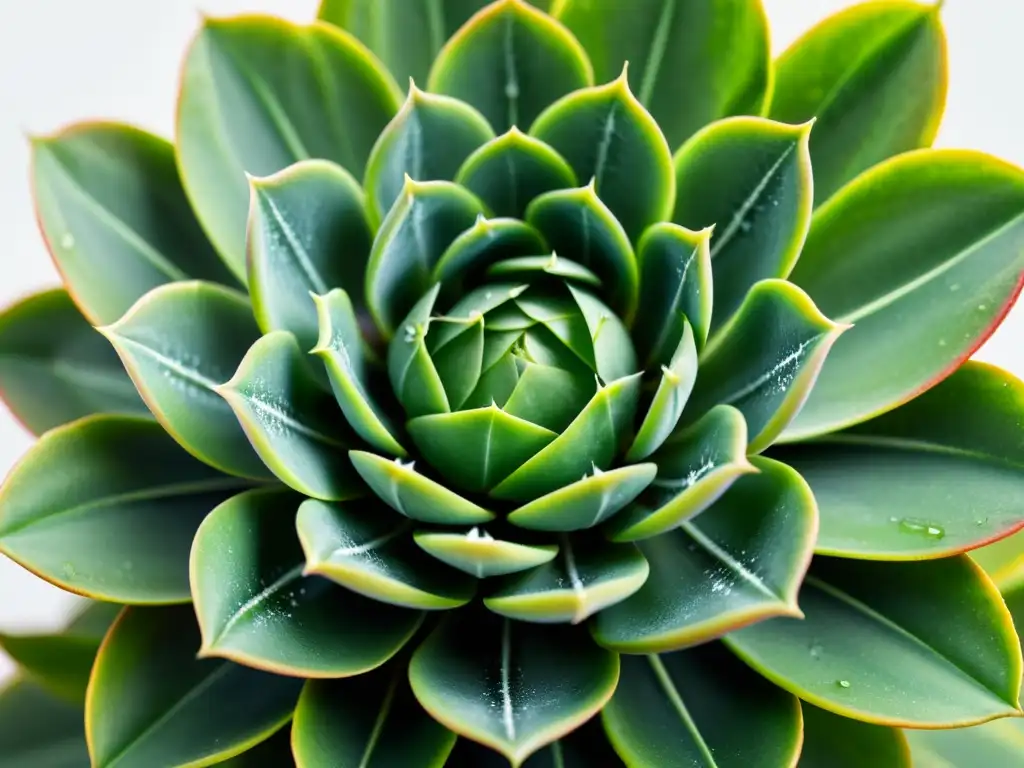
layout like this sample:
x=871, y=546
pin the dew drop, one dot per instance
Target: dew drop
x=843, y=683
x=942, y=342
x=919, y=527
x=982, y=307
x=68, y=241
x=815, y=650
x=512, y=91
x=954, y=287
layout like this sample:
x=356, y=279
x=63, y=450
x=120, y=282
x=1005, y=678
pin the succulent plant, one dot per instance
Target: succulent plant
x=599, y=397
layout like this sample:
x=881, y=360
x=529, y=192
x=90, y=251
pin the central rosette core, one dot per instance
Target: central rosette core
x=518, y=387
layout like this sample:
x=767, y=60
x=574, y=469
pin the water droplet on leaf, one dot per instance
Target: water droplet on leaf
x=843, y=683
x=922, y=528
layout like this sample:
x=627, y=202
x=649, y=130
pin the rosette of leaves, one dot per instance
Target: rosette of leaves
x=549, y=385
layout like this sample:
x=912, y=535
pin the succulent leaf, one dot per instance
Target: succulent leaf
x=74, y=514
x=256, y=606
x=665, y=43
x=480, y=554
x=510, y=61
x=513, y=686
x=585, y=747
x=37, y=726
x=924, y=255
x=832, y=741
x=875, y=78
x=55, y=368
x=147, y=672
x=684, y=709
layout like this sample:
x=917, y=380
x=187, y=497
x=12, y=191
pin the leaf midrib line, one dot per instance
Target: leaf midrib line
x=511, y=75
x=296, y=249
x=793, y=358
x=111, y=381
x=372, y=544
x=382, y=716
x=287, y=420
x=579, y=589
x=666, y=327
x=676, y=700
x=731, y=562
x=243, y=610
x=190, y=375
x=657, y=50
x=507, y=711
x=906, y=444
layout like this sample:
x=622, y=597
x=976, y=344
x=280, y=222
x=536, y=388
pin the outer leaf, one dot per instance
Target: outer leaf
x=480, y=554
x=993, y=744
x=150, y=699
x=875, y=645
x=370, y=551
x=535, y=267
x=510, y=62
x=275, y=752
x=766, y=360
x=179, y=343
x=292, y=423
x=371, y=720
x=256, y=606
x=406, y=35
x=54, y=368
x=39, y=730
x=700, y=707
x=511, y=170
x=512, y=686
x=427, y=140
x=942, y=474
x=875, y=78
x=308, y=233
x=761, y=215
x=925, y=256
x=740, y=562
x=831, y=741
x=662, y=40
x=115, y=217
x=606, y=135
x=585, y=747
x=675, y=287
x=73, y=512
x=423, y=222
x=259, y=94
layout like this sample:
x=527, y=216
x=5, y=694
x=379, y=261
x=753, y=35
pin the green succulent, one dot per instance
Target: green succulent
x=549, y=411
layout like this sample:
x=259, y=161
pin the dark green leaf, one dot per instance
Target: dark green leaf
x=510, y=62
x=259, y=94
x=532, y=268
x=54, y=368
x=831, y=741
x=93, y=620
x=608, y=138
x=739, y=562
x=875, y=644
x=750, y=179
x=115, y=217
x=411, y=370
x=996, y=744
x=700, y=707
x=60, y=663
x=459, y=362
x=275, y=752
x=924, y=255
x=513, y=686
x=690, y=62
x=585, y=747
x=308, y=233
x=614, y=357
x=179, y=343
x=256, y=606
x=39, y=730
x=107, y=507
x=875, y=78
x=150, y=699
x=480, y=554
x=942, y=474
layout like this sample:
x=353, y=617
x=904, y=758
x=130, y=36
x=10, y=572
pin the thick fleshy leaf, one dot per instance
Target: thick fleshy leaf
x=370, y=720
x=700, y=707
x=675, y=287
x=115, y=217
x=765, y=361
x=275, y=752
x=614, y=357
x=308, y=233
x=425, y=219
x=256, y=606
x=340, y=348
x=513, y=686
x=831, y=741
x=150, y=699
x=695, y=467
x=411, y=370
x=259, y=94
x=874, y=644
x=293, y=424
x=179, y=343
x=532, y=268
x=510, y=62
x=480, y=554
x=406, y=35
x=585, y=747
x=588, y=575
x=415, y=495
x=40, y=730
x=370, y=551
x=875, y=78
x=54, y=368
x=761, y=216
x=607, y=136
x=74, y=512
x=511, y=170
x=459, y=363
x=665, y=408
x=475, y=450
x=996, y=744
x=925, y=256
x=669, y=45
x=738, y=563
x=428, y=140
x=942, y=474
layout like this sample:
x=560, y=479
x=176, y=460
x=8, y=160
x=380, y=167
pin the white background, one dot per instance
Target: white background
x=66, y=60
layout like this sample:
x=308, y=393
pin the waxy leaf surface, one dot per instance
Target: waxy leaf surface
x=832, y=741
